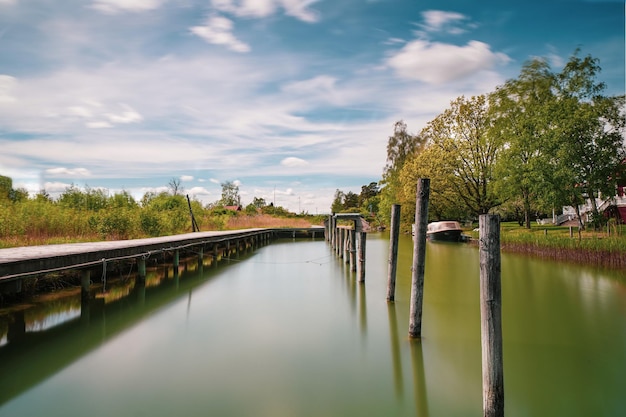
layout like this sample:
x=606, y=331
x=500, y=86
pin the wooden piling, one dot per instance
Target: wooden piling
x=85, y=282
x=491, y=316
x=176, y=258
x=352, y=250
x=419, y=257
x=360, y=270
x=141, y=268
x=393, y=252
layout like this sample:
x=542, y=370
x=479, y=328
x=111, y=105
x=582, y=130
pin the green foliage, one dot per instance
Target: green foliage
x=230, y=194
x=540, y=141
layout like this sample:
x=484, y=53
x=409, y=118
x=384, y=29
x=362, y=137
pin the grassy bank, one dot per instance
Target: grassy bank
x=606, y=248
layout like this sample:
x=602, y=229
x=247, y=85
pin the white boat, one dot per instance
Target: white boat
x=448, y=231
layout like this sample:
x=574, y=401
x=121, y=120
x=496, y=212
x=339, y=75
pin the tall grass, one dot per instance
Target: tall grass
x=598, y=248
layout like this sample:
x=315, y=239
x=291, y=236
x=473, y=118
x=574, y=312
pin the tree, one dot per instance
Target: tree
x=350, y=201
x=337, y=204
x=259, y=202
x=6, y=185
x=522, y=111
x=230, y=194
x=175, y=186
x=400, y=147
x=589, y=135
x=468, y=150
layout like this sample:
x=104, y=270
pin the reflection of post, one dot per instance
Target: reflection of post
x=419, y=257
x=140, y=291
x=85, y=282
x=419, y=379
x=395, y=351
x=491, y=315
x=17, y=327
x=362, y=309
x=393, y=252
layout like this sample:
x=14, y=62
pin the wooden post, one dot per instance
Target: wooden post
x=141, y=268
x=352, y=250
x=419, y=257
x=340, y=242
x=362, y=239
x=393, y=252
x=491, y=316
x=85, y=282
x=176, y=260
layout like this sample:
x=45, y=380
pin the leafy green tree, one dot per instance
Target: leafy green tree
x=230, y=194
x=589, y=135
x=258, y=202
x=400, y=147
x=337, y=204
x=6, y=185
x=468, y=150
x=444, y=203
x=350, y=201
x=522, y=110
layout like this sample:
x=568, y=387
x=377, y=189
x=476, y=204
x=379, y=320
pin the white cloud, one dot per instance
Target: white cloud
x=7, y=84
x=8, y=2
x=214, y=181
x=186, y=177
x=293, y=162
x=437, y=63
x=198, y=191
x=437, y=20
x=218, y=31
x=264, y=8
x=129, y=115
x=98, y=125
x=62, y=172
x=313, y=85
x=119, y=6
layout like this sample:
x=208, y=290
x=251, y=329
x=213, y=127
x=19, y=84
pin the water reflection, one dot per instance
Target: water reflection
x=281, y=333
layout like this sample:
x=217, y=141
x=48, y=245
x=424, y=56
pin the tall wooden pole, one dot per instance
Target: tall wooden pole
x=491, y=316
x=419, y=257
x=393, y=252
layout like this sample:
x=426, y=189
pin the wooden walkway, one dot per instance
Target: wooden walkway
x=19, y=263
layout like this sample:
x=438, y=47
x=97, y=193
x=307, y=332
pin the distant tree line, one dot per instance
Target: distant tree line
x=539, y=142
x=93, y=213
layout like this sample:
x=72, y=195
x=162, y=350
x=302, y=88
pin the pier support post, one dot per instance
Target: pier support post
x=393, y=252
x=419, y=257
x=352, y=250
x=85, y=282
x=491, y=316
x=361, y=254
x=141, y=268
x=200, y=258
x=176, y=259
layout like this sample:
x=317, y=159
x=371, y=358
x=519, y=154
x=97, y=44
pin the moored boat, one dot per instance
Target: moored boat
x=448, y=231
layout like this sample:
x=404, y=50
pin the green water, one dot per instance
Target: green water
x=286, y=331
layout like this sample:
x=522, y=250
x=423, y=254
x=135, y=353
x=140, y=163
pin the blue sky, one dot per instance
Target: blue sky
x=290, y=98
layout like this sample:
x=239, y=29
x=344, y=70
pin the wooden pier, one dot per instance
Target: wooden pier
x=18, y=264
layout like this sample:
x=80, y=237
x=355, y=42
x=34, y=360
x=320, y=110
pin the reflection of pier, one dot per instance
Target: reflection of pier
x=29, y=357
x=18, y=264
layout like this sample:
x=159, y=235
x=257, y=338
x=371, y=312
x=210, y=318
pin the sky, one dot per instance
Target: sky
x=289, y=99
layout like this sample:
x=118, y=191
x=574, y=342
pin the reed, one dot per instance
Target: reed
x=596, y=248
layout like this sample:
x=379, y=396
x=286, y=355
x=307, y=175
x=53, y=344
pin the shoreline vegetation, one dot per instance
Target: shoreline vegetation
x=604, y=249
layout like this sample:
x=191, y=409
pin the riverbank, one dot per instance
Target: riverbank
x=606, y=249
